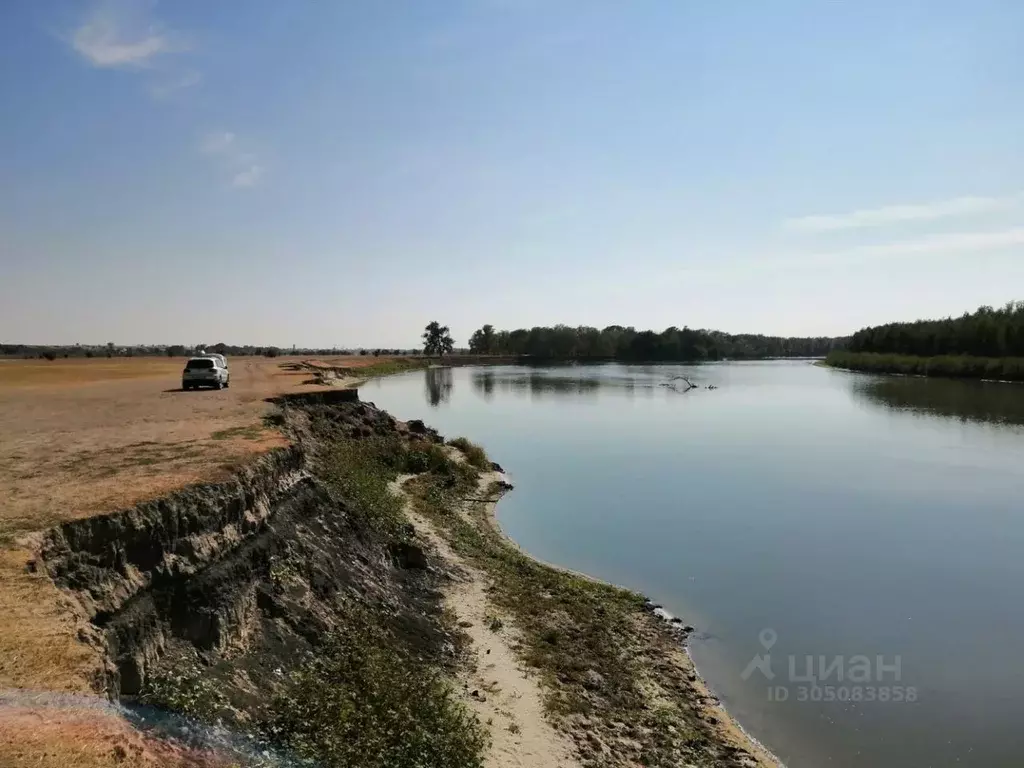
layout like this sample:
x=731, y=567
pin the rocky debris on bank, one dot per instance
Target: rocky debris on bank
x=674, y=624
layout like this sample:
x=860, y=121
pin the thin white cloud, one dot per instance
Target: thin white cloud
x=249, y=177
x=116, y=35
x=241, y=164
x=950, y=244
x=172, y=86
x=896, y=214
x=218, y=143
x=953, y=242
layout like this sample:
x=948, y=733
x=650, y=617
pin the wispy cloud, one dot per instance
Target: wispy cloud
x=954, y=244
x=896, y=214
x=218, y=143
x=249, y=177
x=175, y=84
x=117, y=35
x=238, y=162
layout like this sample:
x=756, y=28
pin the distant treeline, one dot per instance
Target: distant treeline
x=618, y=343
x=987, y=344
x=52, y=352
x=955, y=366
x=985, y=333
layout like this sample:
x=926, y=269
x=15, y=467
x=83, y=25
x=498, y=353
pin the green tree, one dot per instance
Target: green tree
x=483, y=341
x=437, y=340
x=986, y=333
x=562, y=342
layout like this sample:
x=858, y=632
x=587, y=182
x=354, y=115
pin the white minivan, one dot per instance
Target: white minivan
x=209, y=371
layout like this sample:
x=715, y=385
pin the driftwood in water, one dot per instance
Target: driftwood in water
x=689, y=384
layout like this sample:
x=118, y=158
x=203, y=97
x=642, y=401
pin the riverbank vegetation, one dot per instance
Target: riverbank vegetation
x=986, y=344
x=993, y=333
x=389, y=367
x=472, y=452
x=373, y=693
x=620, y=343
x=365, y=700
x=953, y=366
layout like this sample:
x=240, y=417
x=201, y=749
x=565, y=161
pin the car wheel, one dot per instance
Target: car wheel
x=186, y=387
x=218, y=385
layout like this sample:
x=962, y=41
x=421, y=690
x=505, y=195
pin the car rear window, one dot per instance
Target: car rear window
x=194, y=364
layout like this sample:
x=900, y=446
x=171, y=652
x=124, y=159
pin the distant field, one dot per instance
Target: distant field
x=16, y=372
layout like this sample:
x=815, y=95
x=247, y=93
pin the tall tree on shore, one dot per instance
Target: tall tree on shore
x=437, y=340
x=482, y=341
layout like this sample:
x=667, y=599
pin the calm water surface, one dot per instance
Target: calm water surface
x=794, y=511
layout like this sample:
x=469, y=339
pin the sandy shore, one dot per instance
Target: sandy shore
x=496, y=685
x=507, y=691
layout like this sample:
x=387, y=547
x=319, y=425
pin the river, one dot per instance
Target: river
x=862, y=530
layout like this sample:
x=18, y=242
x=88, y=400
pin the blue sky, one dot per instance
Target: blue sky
x=340, y=173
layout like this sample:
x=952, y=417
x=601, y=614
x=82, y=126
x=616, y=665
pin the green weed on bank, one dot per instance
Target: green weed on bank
x=361, y=471
x=473, y=453
x=389, y=367
x=363, y=700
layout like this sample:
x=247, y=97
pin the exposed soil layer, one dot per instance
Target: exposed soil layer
x=242, y=577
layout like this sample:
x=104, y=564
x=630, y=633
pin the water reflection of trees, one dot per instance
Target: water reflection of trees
x=976, y=401
x=438, y=383
x=540, y=384
x=483, y=382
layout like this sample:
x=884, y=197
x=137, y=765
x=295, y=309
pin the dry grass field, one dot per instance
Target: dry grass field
x=79, y=437
x=86, y=436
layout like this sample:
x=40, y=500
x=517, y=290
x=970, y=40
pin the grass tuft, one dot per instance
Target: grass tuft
x=254, y=432
x=474, y=454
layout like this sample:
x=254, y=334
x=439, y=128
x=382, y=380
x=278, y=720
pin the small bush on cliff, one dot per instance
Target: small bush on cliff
x=186, y=690
x=365, y=701
x=425, y=457
x=474, y=454
x=360, y=471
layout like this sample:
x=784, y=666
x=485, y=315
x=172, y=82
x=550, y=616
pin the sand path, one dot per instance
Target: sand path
x=497, y=686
